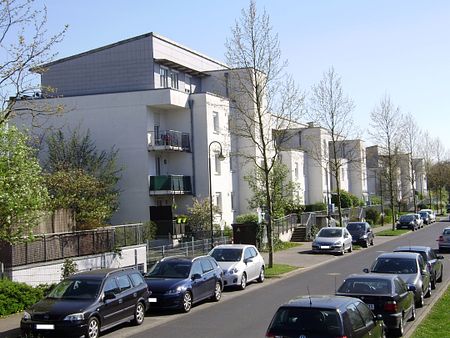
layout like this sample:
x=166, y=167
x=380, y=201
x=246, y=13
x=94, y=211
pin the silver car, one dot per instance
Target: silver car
x=241, y=263
x=444, y=240
x=333, y=239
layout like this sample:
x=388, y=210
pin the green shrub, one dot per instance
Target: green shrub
x=293, y=207
x=228, y=231
x=315, y=207
x=372, y=215
x=247, y=218
x=15, y=297
x=68, y=268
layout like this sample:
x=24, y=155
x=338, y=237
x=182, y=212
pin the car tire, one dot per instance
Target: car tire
x=428, y=294
x=420, y=302
x=413, y=313
x=433, y=282
x=139, y=314
x=92, y=328
x=439, y=280
x=350, y=249
x=243, y=283
x=187, y=302
x=371, y=242
x=261, y=275
x=366, y=244
x=401, y=328
x=217, y=292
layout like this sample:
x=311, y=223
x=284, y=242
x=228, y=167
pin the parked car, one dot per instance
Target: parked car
x=386, y=295
x=87, y=303
x=240, y=263
x=419, y=220
x=431, y=213
x=407, y=221
x=361, y=233
x=433, y=261
x=425, y=217
x=410, y=267
x=448, y=208
x=444, y=240
x=180, y=282
x=333, y=239
x=325, y=316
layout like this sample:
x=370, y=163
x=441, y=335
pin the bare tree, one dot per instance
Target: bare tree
x=411, y=140
x=426, y=151
x=25, y=45
x=385, y=130
x=264, y=98
x=332, y=109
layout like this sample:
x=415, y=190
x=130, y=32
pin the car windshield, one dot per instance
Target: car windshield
x=291, y=320
x=407, y=218
x=423, y=214
x=170, y=269
x=366, y=286
x=355, y=226
x=327, y=232
x=76, y=289
x=446, y=232
x=227, y=254
x=395, y=265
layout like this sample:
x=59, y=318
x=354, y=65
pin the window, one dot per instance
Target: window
x=217, y=163
x=355, y=318
x=206, y=265
x=173, y=79
x=216, y=121
x=124, y=282
x=365, y=313
x=137, y=279
x=163, y=77
x=196, y=268
x=232, y=201
x=111, y=286
x=187, y=84
x=296, y=170
x=219, y=200
x=247, y=254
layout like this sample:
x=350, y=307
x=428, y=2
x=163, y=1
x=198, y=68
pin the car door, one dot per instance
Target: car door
x=250, y=264
x=424, y=273
x=358, y=325
x=110, y=308
x=372, y=327
x=347, y=238
x=436, y=264
x=128, y=296
x=198, y=284
x=209, y=277
x=404, y=300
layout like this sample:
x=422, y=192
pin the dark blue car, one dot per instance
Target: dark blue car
x=180, y=282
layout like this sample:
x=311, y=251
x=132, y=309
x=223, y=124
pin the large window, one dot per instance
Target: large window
x=164, y=77
x=219, y=200
x=173, y=79
x=217, y=165
x=216, y=121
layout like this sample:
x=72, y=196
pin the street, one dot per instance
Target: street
x=248, y=313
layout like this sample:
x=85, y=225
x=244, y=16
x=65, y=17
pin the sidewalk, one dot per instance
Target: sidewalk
x=299, y=256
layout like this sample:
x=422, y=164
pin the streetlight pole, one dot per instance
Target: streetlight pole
x=221, y=157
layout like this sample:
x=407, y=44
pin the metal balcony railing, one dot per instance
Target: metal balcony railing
x=170, y=140
x=170, y=185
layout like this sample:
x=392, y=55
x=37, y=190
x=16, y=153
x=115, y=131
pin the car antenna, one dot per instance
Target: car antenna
x=309, y=296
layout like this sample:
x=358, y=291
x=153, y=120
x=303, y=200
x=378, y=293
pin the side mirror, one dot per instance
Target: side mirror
x=411, y=288
x=248, y=260
x=109, y=295
x=366, y=270
x=379, y=318
x=196, y=276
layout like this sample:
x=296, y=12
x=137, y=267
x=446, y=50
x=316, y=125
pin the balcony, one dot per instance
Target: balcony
x=170, y=185
x=168, y=99
x=169, y=140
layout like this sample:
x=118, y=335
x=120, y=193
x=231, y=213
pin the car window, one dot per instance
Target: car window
x=137, y=279
x=123, y=282
x=395, y=265
x=421, y=263
x=226, y=254
x=213, y=262
x=206, y=265
x=355, y=226
x=399, y=287
x=365, y=286
x=327, y=232
x=170, y=269
x=111, y=286
x=253, y=252
x=76, y=289
x=355, y=318
x=431, y=255
x=196, y=268
x=365, y=312
x=247, y=253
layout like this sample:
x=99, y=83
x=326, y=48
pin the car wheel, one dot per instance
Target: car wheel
x=350, y=249
x=413, y=313
x=433, y=282
x=428, y=294
x=371, y=241
x=261, y=275
x=420, y=302
x=139, y=314
x=439, y=280
x=187, y=301
x=243, y=281
x=93, y=328
x=217, y=292
x=366, y=243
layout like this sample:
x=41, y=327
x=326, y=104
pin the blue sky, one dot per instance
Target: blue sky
x=400, y=48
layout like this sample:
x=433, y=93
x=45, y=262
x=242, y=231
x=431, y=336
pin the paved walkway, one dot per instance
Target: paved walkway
x=298, y=256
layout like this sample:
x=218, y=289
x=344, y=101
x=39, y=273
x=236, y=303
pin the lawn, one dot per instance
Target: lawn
x=437, y=322
x=285, y=245
x=392, y=232
x=278, y=269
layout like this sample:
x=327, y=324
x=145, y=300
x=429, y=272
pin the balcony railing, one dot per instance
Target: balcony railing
x=170, y=185
x=169, y=140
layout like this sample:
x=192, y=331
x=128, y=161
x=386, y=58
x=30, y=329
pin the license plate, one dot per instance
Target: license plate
x=325, y=247
x=152, y=300
x=371, y=306
x=45, y=327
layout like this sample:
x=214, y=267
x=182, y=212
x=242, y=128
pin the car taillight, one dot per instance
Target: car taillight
x=390, y=306
x=342, y=337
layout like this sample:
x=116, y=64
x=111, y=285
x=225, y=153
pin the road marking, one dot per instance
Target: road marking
x=334, y=274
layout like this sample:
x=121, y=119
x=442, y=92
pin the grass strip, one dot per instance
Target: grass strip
x=392, y=232
x=437, y=322
x=278, y=269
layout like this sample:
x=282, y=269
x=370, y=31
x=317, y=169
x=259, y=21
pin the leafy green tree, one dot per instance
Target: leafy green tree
x=82, y=178
x=23, y=195
x=199, y=217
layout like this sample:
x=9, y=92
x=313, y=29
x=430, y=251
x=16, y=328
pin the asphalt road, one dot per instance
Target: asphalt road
x=248, y=313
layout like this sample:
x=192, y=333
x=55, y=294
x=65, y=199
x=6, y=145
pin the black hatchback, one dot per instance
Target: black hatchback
x=361, y=233
x=325, y=316
x=87, y=303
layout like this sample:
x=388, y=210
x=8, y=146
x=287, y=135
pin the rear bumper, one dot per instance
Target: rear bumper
x=392, y=321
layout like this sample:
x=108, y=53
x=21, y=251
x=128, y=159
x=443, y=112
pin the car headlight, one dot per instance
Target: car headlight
x=26, y=315
x=364, y=236
x=337, y=243
x=74, y=317
x=174, y=291
x=233, y=270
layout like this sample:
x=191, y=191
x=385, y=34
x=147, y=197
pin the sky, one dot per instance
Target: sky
x=398, y=48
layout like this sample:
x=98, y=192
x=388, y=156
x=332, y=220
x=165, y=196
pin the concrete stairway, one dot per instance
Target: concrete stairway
x=299, y=234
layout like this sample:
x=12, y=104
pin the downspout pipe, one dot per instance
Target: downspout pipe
x=191, y=108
